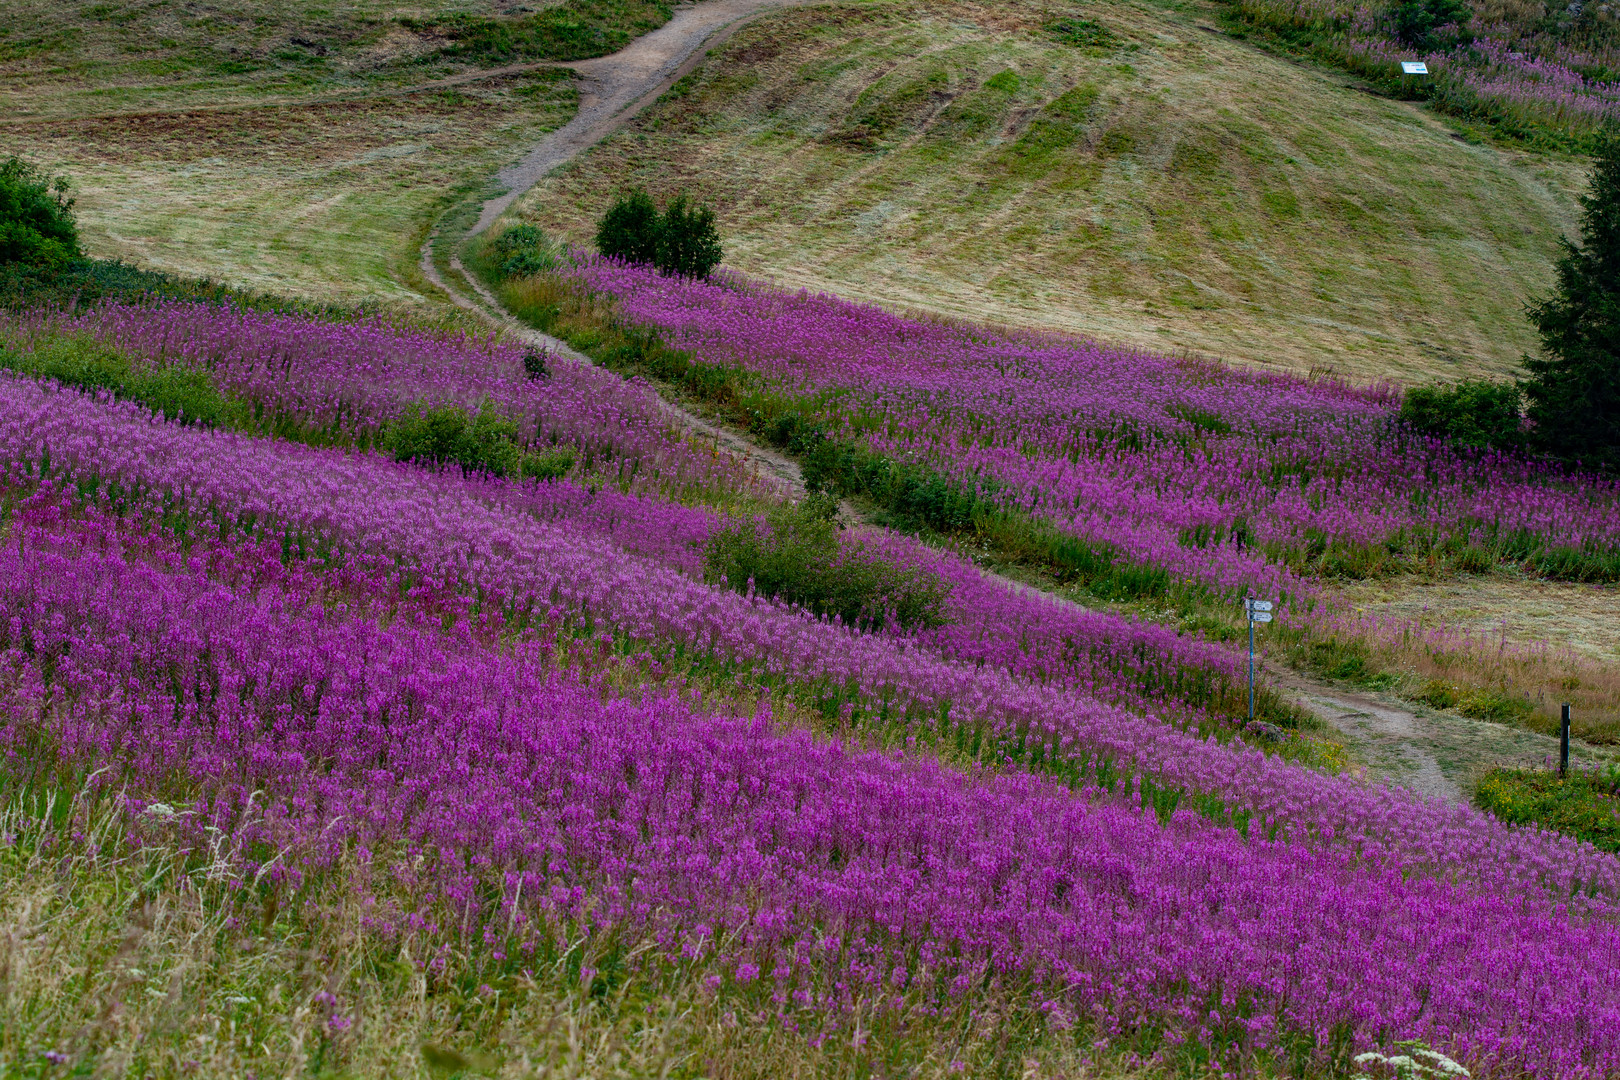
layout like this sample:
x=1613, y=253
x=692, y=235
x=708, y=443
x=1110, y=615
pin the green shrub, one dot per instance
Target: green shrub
x=1582, y=805
x=551, y=465
x=522, y=251
x=1478, y=703
x=688, y=242
x=1334, y=658
x=798, y=556
x=1417, y=23
x=36, y=218
x=1574, y=388
x=1474, y=413
x=482, y=441
x=629, y=230
x=681, y=242
x=82, y=362
x=534, y=364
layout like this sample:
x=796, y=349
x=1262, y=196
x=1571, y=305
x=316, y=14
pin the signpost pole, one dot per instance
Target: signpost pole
x=1251, y=665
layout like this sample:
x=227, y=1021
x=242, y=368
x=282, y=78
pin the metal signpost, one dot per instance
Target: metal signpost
x=1258, y=611
x=1414, y=67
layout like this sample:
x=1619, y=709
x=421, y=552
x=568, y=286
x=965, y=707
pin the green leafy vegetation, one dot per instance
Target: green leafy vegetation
x=89, y=281
x=629, y=229
x=682, y=241
x=798, y=555
x=36, y=218
x=480, y=441
x=1480, y=703
x=522, y=251
x=1574, y=387
x=572, y=30
x=1475, y=412
x=1585, y=805
x=82, y=362
x=688, y=241
x=1420, y=23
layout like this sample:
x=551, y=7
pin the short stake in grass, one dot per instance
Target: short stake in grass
x=1563, y=744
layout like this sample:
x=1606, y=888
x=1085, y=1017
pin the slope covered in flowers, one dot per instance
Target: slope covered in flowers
x=479, y=699
x=1240, y=480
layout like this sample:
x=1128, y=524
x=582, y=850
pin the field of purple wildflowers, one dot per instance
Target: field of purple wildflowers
x=1243, y=482
x=1537, y=72
x=516, y=730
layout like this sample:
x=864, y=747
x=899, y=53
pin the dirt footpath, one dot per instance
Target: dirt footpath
x=619, y=86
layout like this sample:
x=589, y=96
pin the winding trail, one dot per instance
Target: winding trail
x=620, y=85
x=1433, y=753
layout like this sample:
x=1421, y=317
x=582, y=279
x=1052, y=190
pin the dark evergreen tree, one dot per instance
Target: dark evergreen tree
x=630, y=229
x=688, y=242
x=36, y=218
x=1574, y=387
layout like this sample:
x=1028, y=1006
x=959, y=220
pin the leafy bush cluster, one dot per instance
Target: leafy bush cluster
x=481, y=441
x=1583, y=805
x=522, y=251
x=682, y=241
x=36, y=218
x=82, y=362
x=1421, y=24
x=798, y=556
x=1474, y=412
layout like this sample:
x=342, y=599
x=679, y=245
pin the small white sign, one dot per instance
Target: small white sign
x=1414, y=67
x=1258, y=605
x=1261, y=616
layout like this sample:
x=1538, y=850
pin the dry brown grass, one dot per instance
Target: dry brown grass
x=1549, y=643
x=1192, y=193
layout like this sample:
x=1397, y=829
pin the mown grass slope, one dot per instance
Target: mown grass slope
x=288, y=146
x=1158, y=184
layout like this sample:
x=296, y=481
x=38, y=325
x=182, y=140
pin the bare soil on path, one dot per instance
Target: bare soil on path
x=618, y=86
x=1436, y=754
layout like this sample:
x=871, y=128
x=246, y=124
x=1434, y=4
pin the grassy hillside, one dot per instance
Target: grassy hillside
x=1136, y=176
x=291, y=146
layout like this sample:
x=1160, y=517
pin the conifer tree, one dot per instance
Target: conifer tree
x=1574, y=387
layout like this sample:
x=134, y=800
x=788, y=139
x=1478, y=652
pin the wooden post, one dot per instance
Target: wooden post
x=1563, y=745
